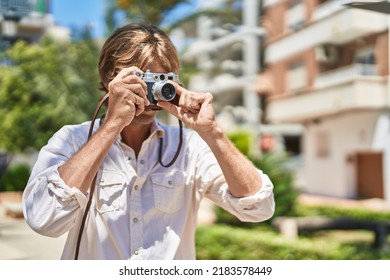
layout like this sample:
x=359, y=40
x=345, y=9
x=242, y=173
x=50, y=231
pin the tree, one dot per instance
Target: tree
x=45, y=87
x=140, y=11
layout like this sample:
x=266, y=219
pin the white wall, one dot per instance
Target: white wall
x=381, y=141
x=334, y=175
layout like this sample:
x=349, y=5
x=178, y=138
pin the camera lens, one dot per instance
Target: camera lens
x=163, y=91
x=168, y=91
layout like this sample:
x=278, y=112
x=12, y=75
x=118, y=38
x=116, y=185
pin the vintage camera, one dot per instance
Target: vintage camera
x=158, y=87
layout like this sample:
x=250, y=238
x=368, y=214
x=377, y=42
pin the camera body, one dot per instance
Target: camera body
x=158, y=89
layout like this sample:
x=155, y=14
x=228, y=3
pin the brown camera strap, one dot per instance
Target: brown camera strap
x=92, y=188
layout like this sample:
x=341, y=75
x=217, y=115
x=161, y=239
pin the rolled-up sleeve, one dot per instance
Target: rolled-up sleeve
x=255, y=208
x=51, y=207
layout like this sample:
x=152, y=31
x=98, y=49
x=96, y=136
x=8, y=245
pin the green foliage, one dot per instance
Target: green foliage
x=262, y=242
x=285, y=193
x=242, y=139
x=140, y=11
x=158, y=13
x=15, y=178
x=223, y=242
x=47, y=85
x=358, y=213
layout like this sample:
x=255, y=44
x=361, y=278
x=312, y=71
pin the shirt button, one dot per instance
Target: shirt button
x=136, y=252
x=101, y=180
x=169, y=182
x=142, y=161
x=136, y=187
x=135, y=220
x=129, y=158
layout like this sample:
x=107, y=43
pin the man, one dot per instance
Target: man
x=140, y=209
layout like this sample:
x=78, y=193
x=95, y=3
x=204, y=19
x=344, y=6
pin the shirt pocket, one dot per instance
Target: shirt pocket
x=109, y=188
x=169, y=191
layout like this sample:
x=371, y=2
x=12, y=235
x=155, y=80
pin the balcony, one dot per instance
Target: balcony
x=344, y=74
x=337, y=28
x=334, y=98
x=223, y=84
x=328, y=8
x=209, y=46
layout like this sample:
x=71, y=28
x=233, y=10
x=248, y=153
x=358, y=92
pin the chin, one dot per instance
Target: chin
x=146, y=117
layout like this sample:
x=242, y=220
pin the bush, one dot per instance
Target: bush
x=242, y=140
x=285, y=193
x=223, y=242
x=358, y=213
x=15, y=178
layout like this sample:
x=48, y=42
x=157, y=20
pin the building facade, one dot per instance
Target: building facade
x=228, y=58
x=327, y=68
x=27, y=20
x=228, y=55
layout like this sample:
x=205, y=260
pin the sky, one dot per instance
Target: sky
x=79, y=13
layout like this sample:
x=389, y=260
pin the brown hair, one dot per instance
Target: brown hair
x=136, y=45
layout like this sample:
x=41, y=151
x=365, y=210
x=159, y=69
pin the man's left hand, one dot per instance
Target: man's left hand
x=195, y=109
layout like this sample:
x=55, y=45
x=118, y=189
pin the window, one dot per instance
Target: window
x=365, y=60
x=365, y=56
x=292, y=144
x=296, y=76
x=322, y=144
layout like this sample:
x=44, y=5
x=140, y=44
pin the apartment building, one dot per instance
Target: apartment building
x=327, y=68
x=27, y=20
x=228, y=56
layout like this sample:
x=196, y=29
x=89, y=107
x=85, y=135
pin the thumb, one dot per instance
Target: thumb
x=178, y=88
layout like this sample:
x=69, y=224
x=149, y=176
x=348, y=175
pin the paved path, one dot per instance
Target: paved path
x=19, y=242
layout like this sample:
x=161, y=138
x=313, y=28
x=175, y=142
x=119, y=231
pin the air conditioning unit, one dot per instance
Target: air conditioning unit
x=327, y=53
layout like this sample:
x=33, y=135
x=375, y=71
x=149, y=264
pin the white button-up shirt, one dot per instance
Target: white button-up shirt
x=140, y=209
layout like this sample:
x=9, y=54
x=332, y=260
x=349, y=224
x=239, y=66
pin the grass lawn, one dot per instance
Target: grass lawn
x=226, y=242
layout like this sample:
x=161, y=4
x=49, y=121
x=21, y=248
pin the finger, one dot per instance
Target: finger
x=139, y=89
x=194, y=108
x=128, y=71
x=139, y=104
x=134, y=82
x=190, y=108
x=191, y=101
x=179, y=89
x=123, y=73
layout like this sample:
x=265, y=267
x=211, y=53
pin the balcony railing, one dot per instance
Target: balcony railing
x=344, y=74
x=355, y=94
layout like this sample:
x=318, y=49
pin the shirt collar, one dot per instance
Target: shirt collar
x=157, y=128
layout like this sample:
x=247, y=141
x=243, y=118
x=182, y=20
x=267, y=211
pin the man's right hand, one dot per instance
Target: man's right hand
x=127, y=97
